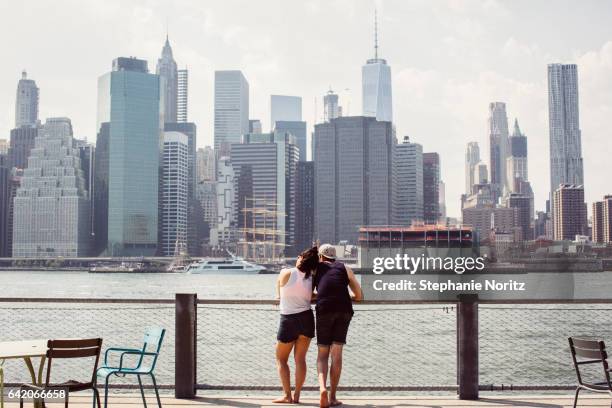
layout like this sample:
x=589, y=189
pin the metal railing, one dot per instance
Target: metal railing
x=469, y=345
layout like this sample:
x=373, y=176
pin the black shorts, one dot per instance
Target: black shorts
x=332, y=327
x=295, y=325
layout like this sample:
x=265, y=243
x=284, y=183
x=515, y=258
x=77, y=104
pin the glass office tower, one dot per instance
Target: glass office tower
x=129, y=100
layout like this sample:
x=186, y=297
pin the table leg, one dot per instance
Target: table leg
x=35, y=380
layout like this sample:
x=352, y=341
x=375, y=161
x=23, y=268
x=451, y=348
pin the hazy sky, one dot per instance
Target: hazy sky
x=449, y=59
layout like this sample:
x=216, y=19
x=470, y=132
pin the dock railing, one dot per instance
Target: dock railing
x=466, y=346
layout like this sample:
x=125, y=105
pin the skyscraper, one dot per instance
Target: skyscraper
x=376, y=85
x=498, y=146
x=331, y=109
x=265, y=167
x=5, y=201
x=189, y=129
x=52, y=208
x=221, y=232
x=407, y=192
x=564, y=127
x=21, y=143
x=524, y=215
x=304, y=207
x=174, y=193
x=286, y=116
x=283, y=107
x=100, y=192
x=206, y=193
x=570, y=212
x=602, y=220
x=431, y=188
x=516, y=162
x=182, y=99
x=231, y=110
x=298, y=130
x=168, y=74
x=472, y=158
x=353, y=176
x=129, y=100
x=206, y=164
x=26, y=105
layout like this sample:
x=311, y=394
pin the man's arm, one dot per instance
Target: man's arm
x=354, y=285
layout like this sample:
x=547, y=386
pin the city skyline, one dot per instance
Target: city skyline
x=440, y=105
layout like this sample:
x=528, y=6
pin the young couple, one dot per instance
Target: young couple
x=317, y=275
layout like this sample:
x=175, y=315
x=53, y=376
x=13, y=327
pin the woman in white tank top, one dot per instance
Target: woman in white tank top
x=297, y=326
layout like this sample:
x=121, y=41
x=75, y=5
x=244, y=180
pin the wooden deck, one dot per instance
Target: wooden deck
x=509, y=401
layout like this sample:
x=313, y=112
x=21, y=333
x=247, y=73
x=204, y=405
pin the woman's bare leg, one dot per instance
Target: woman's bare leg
x=283, y=350
x=301, y=348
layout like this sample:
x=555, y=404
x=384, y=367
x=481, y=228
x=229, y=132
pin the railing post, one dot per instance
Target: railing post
x=185, y=342
x=467, y=347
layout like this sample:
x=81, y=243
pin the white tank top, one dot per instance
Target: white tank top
x=296, y=295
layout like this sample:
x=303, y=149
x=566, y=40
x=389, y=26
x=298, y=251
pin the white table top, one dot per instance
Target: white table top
x=24, y=348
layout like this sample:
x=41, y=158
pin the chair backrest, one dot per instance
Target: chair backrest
x=589, y=351
x=153, y=339
x=77, y=348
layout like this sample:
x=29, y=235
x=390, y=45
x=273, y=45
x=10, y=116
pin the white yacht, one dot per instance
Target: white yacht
x=232, y=265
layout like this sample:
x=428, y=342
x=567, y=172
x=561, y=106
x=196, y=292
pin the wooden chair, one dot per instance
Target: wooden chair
x=590, y=352
x=62, y=349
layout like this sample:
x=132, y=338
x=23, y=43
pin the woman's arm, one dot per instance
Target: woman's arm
x=283, y=278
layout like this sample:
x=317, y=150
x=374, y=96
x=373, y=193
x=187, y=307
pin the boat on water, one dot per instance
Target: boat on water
x=233, y=265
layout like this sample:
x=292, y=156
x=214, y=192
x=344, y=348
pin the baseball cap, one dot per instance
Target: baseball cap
x=327, y=251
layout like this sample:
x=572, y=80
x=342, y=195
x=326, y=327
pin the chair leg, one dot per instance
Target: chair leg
x=144, y=400
x=96, y=396
x=156, y=391
x=576, y=397
x=106, y=391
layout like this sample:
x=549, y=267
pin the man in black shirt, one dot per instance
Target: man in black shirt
x=334, y=312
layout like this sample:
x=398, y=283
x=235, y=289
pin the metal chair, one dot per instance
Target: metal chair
x=590, y=352
x=63, y=349
x=145, y=365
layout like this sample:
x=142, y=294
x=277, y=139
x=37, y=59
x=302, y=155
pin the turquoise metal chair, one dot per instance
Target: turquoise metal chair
x=146, y=358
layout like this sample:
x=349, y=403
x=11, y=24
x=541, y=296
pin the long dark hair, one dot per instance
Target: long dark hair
x=310, y=260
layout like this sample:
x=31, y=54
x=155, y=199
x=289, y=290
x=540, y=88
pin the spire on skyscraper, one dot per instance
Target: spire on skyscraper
x=517, y=129
x=375, y=34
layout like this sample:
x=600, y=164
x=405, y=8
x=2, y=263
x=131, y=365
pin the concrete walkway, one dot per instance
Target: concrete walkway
x=527, y=401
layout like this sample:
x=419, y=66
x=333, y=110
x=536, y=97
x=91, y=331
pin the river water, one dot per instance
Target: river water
x=388, y=346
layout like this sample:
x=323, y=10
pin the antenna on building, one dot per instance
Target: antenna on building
x=375, y=34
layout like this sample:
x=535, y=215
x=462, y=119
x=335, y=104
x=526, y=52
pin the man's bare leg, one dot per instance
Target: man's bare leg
x=334, y=373
x=301, y=348
x=283, y=350
x=322, y=369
